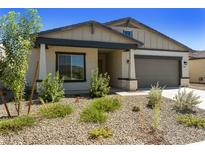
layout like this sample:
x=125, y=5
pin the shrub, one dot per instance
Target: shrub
x=136, y=109
x=91, y=114
x=191, y=120
x=14, y=125
x=185, y=101
x=99, y=86
x=51, y=90
x=55, y=110
x=106, y=104
x=155, y=96
x=100, y=132
x=156, y=116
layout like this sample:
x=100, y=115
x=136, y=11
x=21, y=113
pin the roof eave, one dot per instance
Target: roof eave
x=86, y=44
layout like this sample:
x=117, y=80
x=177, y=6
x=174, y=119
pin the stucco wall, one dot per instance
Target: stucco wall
x=91, y=64
x=197, y=70
x=34, y=57
x=114, y=67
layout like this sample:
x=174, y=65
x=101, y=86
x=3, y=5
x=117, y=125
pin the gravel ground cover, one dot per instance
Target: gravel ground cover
x=128, y=127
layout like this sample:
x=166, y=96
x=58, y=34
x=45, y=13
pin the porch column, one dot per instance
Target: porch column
x=42, y=62
x=132, y=81
x=131, y=65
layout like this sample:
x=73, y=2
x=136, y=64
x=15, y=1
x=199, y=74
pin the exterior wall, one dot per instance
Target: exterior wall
x=91, y=64
x=197, y=70
x=102, y=57
x=151, y=39
x=114, y=67
x=84, y=33
x=125, y=65
x=34, y=57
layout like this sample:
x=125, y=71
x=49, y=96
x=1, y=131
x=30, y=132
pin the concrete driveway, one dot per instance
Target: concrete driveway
x=170, y=93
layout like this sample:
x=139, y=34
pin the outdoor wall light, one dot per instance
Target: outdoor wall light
x=185, y=62
x=128, y=61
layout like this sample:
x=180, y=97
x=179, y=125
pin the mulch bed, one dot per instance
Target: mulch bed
x=128, y=127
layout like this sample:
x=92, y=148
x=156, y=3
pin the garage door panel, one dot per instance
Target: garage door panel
x=150, y=71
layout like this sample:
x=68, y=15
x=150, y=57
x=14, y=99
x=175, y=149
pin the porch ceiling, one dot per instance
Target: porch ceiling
x=83, y=43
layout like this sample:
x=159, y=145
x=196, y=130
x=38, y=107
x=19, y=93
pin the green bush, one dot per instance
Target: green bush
x=91, y=114
x=55, y=110
x=155, y=96
x=107, y=104
x=136, y=109
x=51, y=90
x=14, y=125
x=99, y=86
x=185, y=101
x=191, y=120
x=100, y=132
x=95, y=112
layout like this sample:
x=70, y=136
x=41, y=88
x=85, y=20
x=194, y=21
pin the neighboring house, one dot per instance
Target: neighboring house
x=133, y=54
x=197, y=67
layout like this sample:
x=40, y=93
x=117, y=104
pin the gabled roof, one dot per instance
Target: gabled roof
x=90, y=23
x=129, y=19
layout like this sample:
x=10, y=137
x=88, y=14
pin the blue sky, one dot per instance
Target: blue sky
x=184, y=25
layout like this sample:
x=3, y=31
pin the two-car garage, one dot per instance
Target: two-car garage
x=162, y=69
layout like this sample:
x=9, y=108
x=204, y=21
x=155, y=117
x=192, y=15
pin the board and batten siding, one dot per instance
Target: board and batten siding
x=151, y=39
x=84, y=33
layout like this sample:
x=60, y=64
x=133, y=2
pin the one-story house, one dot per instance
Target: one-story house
x=132, y=53
x=196, y=69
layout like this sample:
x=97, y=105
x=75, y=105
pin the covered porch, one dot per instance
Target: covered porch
x=113, y=58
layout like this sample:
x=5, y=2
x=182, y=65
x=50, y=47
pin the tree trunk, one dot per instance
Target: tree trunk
x=15, y=104
x=33, y=87
x=7, y=109
x=4, y=102
x=19, y=107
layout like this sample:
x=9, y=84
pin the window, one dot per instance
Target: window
x=128, y=33
x=71, y=66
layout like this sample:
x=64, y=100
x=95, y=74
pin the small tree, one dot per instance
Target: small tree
x=18, y=33
x=99, y=86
